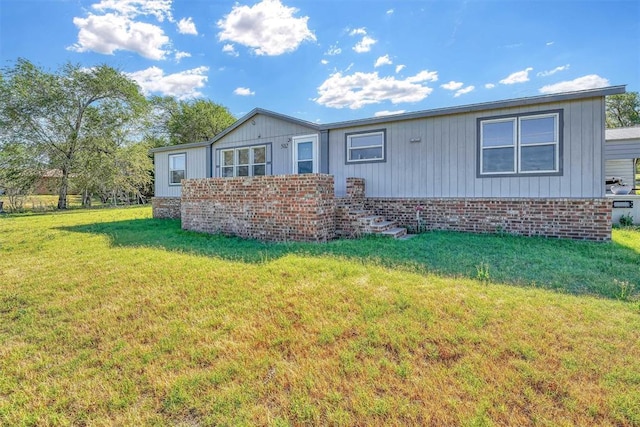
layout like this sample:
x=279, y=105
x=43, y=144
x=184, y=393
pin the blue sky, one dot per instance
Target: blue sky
x=326, y=60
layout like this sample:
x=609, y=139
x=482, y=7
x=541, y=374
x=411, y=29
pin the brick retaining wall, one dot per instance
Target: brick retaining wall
x=271, y=208
x=582, y=219
x=303, y=208
x=347, y=224
x=166, y=207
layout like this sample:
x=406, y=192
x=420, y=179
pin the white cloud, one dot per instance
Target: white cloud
x=388, y=113
x=383, y=60
x=333, y=50
x=182, y=85
x=552, y=72
x=365, y=44
x=161, y=9
x=324, y=61
x=489, y=86
x=359, y=89
x=463, y=91
x=424, y=76
x=517, y=77
x=550, y=43
x=358, y=32
x=187, y=26
x=591, y=81
x=390, y=12
x=230, y=49
x=452, y=85
x=180, y=55
x=457, y=86
x=243, y=91
x=111, y=32
x=268, y=28
x=399, y=68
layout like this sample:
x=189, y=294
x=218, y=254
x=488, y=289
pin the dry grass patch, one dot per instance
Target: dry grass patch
x=95, y=329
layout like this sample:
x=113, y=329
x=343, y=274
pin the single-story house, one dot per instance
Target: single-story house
x=622, y=156
x=529, y=166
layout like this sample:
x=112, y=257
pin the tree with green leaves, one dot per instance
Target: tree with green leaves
x=68, y=115
x=122, y=174
x=182, y=122
x=20, y=169
x=623, y=110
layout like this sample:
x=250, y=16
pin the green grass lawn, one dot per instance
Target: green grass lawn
x=109, y=317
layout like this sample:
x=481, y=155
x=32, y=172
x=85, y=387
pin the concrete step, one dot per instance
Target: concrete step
x=396, y=232
x=361, y=215
x=380, y=226
x=371, y=219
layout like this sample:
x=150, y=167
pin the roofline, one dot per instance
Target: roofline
x=178, y=147
x=236, y=125
x=264, y=112
x=493, y=105
x=517, y=102
x=627, y=131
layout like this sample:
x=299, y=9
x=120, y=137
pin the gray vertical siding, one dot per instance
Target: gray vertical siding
x=621, y=168
x=443, y=163
x=197, y=166
x=323, y=152
x=262, y=129
x=622, y=150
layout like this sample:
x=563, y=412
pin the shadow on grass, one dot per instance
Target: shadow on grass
x=606, y=269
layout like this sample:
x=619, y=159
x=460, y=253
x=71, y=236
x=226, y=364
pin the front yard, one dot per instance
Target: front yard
x=111, y=317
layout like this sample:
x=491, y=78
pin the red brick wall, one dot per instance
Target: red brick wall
x=355, y=190
x=348, y=207
x=583, y=219
x=271, y=208
x=303, y=207
x=165, y=207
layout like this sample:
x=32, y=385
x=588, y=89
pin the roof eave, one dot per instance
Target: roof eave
x=263, y=112
x=486, y=106
x=179, y=147
x=494, y=105
x=236, y=125
x=631, y=133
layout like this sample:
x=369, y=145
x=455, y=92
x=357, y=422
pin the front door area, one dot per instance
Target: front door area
x=305, y=154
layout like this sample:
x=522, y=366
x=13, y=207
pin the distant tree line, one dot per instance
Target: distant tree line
x=94, y=127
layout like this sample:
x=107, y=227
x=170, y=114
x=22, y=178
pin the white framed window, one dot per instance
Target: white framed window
x=526, y=144
x=243, y=161
x=177, y=168
x=365, y=147
x=498, y=146
x=227, y=162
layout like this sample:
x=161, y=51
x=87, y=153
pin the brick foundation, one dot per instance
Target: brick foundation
x=347, y=223
x=303, y=208
x=355, y=192
x=166, y=207
x=582, y=219
x=270, y=208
